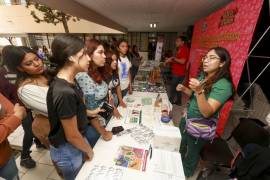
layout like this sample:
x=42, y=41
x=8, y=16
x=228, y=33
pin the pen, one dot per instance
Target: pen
x=140, y=118
x=151, y=151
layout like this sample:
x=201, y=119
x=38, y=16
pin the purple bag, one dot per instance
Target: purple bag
x=201, y=128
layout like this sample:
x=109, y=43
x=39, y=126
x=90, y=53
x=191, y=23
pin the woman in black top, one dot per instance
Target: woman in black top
x=66, y=110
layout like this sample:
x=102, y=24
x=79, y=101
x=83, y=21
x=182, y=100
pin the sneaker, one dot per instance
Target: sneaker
x=28, y=163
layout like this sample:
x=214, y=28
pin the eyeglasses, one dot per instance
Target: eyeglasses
x=210, y=59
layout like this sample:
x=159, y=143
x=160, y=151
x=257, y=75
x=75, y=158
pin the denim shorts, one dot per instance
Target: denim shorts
x=68, y=159
x=9, y=171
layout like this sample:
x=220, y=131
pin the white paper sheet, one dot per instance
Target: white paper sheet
x=166, y=162
x=104, y=172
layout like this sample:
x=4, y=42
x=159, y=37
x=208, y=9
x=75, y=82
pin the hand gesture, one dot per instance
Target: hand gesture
x=195, y=85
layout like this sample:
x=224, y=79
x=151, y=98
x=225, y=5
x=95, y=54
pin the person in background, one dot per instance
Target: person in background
x=135, y=62
x=8, y=89
x=94, y=87
x=208, y=93
x=112, y=79
x=166, y=69
x=46, y=51
x=178, y=65
x=66, y=109
x=10, y=118
x=124, y=66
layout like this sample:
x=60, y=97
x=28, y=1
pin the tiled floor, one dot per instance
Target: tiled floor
x=44, y=169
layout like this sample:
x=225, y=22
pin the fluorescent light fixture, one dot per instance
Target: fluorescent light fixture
x=155, y=25
x=151, y=25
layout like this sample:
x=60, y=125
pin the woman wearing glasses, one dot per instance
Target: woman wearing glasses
x=208, y=93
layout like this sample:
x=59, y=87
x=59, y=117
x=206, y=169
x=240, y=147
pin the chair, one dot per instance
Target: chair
x=218, y=153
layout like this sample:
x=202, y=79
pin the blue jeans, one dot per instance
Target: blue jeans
x=124, y=92
x=115, y=99
x=91, y=135
x=175, y=97
x=9, y=171
x=68, y=159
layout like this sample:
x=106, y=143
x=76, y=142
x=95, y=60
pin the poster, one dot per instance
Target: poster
x=231, y=27
x=131, y=157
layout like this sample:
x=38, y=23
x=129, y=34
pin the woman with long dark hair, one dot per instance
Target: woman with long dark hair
x=207, y=94
x=32, y=84
x=66, y=109
x=112, y=79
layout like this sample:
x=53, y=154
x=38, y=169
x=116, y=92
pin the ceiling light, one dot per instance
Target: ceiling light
x=155, y=25
x=151, y=25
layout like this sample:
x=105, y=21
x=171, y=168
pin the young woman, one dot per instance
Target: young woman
x=10, y=118
x=66, y=109
x=94, y=87
x=207, y=94
x=124, y=66
x=112, y=79
x=32, y=87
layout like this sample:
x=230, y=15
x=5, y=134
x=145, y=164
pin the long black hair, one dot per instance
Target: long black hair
x=13, y=57
x=64, y=46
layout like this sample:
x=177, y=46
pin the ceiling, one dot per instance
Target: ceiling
x=170, y=15
x=22, y=22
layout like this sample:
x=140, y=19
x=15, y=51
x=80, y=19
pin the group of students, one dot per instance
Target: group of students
x=64, y=100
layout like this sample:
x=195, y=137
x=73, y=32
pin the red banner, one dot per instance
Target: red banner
x=231, y=27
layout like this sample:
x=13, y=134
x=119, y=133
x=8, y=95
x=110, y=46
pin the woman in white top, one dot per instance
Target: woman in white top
x=124, y=66
x=32, y=87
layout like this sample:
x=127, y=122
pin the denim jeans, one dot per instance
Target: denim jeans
x=28, y=136
x=68, y=159
x=10, y=170
x=91, y=135
x=124, y=92
x=115, y=99
x=175, y=97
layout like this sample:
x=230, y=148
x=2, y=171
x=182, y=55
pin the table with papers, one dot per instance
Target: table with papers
x=154, y=162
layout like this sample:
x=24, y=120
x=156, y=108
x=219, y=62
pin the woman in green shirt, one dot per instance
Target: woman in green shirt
x=207, y=94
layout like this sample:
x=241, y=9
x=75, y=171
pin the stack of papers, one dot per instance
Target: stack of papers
x=166, y=164
x=167, y=138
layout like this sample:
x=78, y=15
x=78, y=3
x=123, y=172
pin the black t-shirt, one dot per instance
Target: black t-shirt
x=64, y=100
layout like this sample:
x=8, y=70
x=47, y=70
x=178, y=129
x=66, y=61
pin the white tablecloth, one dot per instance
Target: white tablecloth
x=105, y=152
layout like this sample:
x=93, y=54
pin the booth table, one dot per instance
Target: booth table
x=106, y=152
